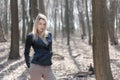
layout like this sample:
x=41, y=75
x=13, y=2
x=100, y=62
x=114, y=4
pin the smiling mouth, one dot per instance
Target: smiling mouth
x=41, y=31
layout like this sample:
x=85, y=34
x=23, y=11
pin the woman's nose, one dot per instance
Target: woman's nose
x=42, y=27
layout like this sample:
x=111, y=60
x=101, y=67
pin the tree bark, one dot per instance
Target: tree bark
x=6, y=21
x=33, y=13
x=111, y=27
x=71, y=9
x=23, y=17
x=55, y=18
x=88, y=23
x=81, y=19
x=2, y=39
x=14, y=49
x=67, y=22
x=100, y=41
x=41, y=7
x=62, y=20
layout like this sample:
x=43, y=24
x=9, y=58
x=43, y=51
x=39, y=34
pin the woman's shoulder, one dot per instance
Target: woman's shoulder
x=30, y=35
x=48, y=33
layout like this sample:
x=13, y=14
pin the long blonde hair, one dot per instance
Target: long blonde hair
x=35, y=25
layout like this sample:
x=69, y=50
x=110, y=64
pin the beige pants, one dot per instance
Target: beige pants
x=38, y=72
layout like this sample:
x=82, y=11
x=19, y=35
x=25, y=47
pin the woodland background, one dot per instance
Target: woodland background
x=86, y=33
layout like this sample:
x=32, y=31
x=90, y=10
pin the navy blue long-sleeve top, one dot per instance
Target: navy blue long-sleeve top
x=42, y=52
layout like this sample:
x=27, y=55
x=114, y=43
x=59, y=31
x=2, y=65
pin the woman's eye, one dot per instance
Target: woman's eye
x=44, y=24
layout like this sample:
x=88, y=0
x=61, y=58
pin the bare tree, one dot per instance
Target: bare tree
x=41, y=7
x=62, y=19
x=111, y=18
x=81, y=18
x=5, y=18
x=88, y=23
x=23, y=18
x=2, y=39
x=55, y=20
x=14, y=49
x=33, y=11
x=100, y=41
x=71, y=17
x=67, y=22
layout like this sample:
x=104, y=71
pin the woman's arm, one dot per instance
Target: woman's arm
x=51, y=43
x=28, y=44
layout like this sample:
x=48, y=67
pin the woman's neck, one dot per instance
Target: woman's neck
x=42, y=35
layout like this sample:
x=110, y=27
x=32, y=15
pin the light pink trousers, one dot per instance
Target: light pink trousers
x=38, y=72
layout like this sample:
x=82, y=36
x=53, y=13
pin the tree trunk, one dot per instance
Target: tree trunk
x=30, y=22
x=41, y=6
x=81, y=19
x=33, y=13
x=14, y=49
x=2, y=39
x=100, y=41
x=6, y=21
x=23, y=17
x=55, y=18
x=67, y=22
x=34, y=9
x=55, y=25
x=111, y=27
x=71, y=25
x=62, y=21
x=88, y=23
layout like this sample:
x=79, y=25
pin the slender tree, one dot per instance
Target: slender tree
x=71, y=24
x=88, y=22
x=30, y=23
x=6, y=16
x=81, y=18
x=33, y=11
x=14, y=49
x=55, y=20
x=111, y=22
x=2, y=39
x=41, y=7
x=67, y=22
x=62, y=19
x=23, y=18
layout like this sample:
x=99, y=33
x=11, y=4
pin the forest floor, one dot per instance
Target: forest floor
x=69, y=63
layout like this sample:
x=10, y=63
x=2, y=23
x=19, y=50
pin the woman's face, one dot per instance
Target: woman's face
x=41, y=25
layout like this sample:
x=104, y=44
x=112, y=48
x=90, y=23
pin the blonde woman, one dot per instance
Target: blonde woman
x=41, y=41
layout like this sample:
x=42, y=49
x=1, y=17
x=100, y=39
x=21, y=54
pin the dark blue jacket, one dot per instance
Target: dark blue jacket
x=42, y=52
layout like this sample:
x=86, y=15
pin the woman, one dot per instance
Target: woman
x=41, y=41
